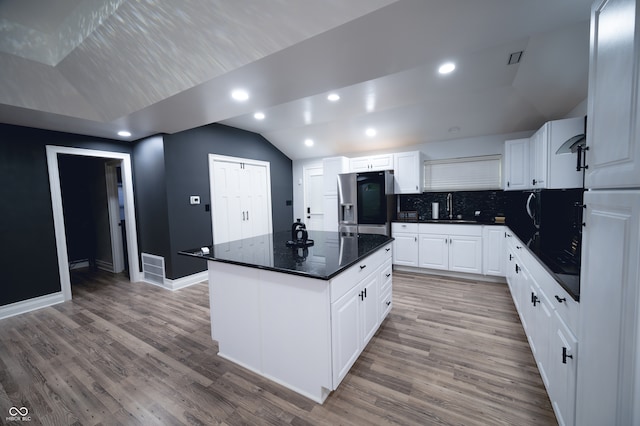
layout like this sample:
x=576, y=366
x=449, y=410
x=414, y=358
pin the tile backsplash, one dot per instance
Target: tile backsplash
x=465, y=203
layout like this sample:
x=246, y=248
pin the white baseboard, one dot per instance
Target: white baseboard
x=104, y=265
x=183, y=282
x=29, y=305
x=462, y=275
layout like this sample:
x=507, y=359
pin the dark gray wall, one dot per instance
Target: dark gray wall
x=28, y=258
x=187, y=173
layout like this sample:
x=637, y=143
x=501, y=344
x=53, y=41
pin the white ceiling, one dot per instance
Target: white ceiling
x=95, y=67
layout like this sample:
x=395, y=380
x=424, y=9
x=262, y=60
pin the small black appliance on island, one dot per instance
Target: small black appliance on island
x=299, y=235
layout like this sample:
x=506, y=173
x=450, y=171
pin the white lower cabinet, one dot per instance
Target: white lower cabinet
x=405, y=244
x=547, y=313
x=357, y=314
x=493, y=249
x=450, y=247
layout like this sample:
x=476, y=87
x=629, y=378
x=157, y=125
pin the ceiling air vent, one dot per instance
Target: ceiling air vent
x=514, y=58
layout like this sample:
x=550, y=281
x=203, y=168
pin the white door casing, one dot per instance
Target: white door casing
x=58, y=213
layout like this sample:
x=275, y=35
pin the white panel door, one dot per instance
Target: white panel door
x=258, y=206
x=314, y=198
x=226, y=202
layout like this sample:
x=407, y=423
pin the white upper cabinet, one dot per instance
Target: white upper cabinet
x=613, y=106
x=548, y=168
x=408, y=171
x=372, y=163
x=516, y=164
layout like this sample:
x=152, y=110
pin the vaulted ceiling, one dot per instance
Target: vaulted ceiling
x=97, y=67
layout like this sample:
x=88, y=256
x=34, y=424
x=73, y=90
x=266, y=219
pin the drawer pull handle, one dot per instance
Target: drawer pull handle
x=518, y=247
x=565, y=356
x=389, y=302
x=534, y=299
x=388, y=275
x=561, y=299
x=362, y=267
x=387, y=249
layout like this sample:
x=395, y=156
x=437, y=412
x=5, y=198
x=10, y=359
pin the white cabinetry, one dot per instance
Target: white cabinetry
x=241, y=194
x=405, y=243
x=493, y=250
x=613, y=127
x=547, y=168
x=516, y=164
x=357, y=313
x=372, y=163
x=332, y=167
x=408, y=171
x=549, y=318
x=450, y=247
x=608, y=390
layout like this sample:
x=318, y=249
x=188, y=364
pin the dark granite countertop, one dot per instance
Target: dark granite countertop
x=331, y=253
x=450, y=221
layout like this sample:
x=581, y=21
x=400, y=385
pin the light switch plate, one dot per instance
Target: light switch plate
x=194, y=199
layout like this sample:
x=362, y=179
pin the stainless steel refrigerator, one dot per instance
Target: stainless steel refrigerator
x=366, y=203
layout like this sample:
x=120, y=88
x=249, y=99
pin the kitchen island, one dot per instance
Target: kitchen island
x=297, y=315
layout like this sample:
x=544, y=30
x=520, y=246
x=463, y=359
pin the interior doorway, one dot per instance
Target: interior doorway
x=119, y=160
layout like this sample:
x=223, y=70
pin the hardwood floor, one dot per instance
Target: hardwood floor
x=450, y=352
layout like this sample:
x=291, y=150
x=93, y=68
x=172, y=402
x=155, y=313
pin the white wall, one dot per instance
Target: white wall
x=579, y=110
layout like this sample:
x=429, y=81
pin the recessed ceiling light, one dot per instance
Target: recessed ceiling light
x=333, y=97
x=308, y=142
x=124, y=133
x=446, y=68
x=371, y=132
x=259, y=115
x=240, y=95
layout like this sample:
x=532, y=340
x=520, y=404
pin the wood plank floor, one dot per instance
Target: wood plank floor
x=451, y=352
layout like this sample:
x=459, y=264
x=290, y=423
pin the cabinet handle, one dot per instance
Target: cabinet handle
x=534, y=299
x=247, y=214
x=387, y=249
x=365, y=292
x=415, y=239
x=388, y=275
x=518, y=247
x=511, y=258
x=565, y=356
x=517, y=269
x=361, y=296
x=388, y=302
x=534, y=181
x=561, y=299
x=362, y=267
x=508, y=184
x=243, y=216
x=450, y=241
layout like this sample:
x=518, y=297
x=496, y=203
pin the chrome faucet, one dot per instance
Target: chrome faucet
x=450, y=205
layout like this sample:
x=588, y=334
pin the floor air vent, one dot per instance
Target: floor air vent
x=153, y=268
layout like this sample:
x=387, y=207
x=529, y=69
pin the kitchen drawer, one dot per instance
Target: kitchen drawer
x=449, y=229
x=409, y=228
x=348, y=279
x=561, y=301
x=386, y=302
x=386, y=276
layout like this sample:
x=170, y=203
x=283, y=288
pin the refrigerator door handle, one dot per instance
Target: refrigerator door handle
x=529, y=212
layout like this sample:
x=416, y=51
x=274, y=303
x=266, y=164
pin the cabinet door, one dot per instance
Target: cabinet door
x=346, y=333
x=516, y=160
x=612, y=126
x=562, y=373
x=433, y=250
x=493, y=252
x=465, y=254
x=381, y=162
x=405, y=249
x=360, y=164
x=369, y=309
x=609, y=304
x=538, y=158
x=407, y=172
x=541, y=331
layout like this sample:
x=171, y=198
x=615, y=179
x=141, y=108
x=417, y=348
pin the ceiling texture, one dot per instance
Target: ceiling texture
x=95, y=67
